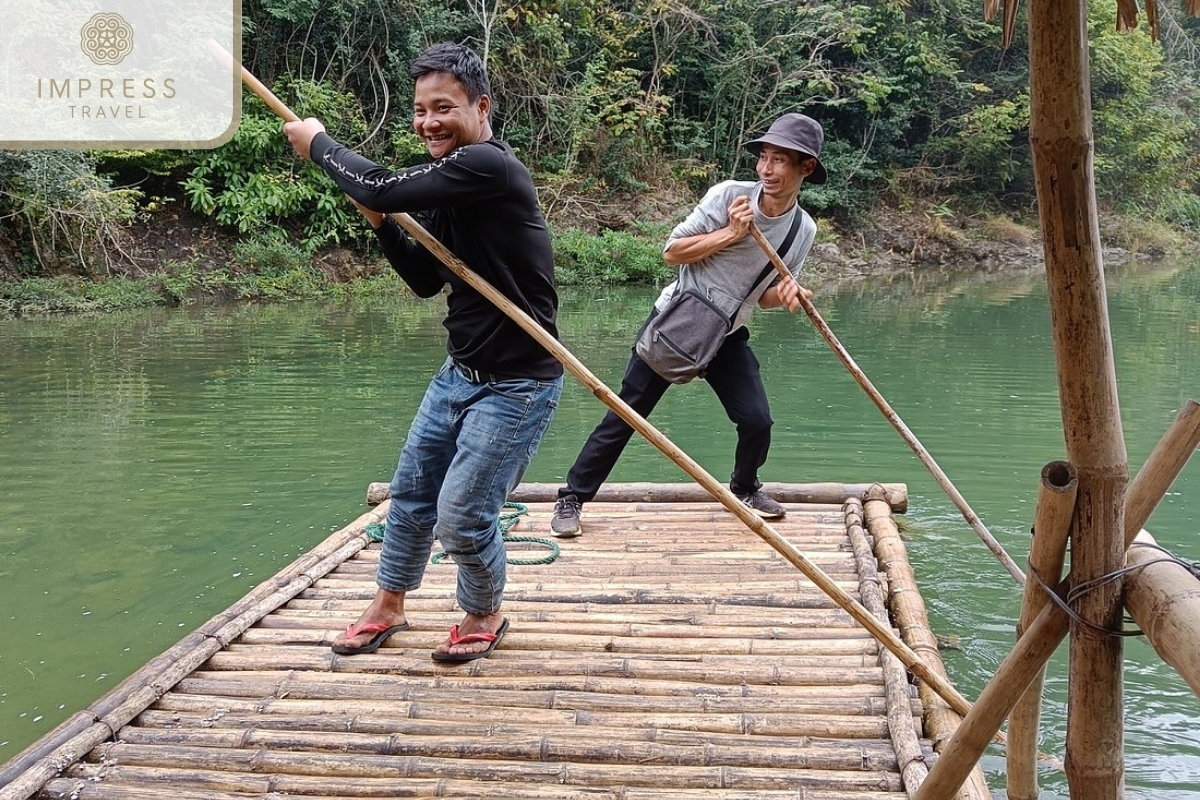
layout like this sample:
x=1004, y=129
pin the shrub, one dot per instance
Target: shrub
x=612, y=257
x=275, y=269
x=54, y=200
x=66, y=294
x=254, y=181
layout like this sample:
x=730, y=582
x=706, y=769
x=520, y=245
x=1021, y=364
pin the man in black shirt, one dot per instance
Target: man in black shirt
x=486, y=410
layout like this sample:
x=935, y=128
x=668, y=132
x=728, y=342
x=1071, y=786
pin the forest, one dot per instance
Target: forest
x=624, y=112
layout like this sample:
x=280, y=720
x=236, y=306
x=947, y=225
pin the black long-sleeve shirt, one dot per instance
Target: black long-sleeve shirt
x=480, y=202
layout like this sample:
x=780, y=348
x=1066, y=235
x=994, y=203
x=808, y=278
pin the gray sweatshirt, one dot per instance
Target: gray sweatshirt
x=727, y=276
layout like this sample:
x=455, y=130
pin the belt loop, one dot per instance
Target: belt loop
x=469, y=373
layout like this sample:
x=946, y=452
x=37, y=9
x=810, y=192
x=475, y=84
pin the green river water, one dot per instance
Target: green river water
x=156, y=465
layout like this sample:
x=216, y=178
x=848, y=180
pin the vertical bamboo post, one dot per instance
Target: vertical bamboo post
x=1041, y=638
x=1060, y=132
x=1052, y=521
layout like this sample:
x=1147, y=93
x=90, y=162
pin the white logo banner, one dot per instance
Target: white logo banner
x=112, y=74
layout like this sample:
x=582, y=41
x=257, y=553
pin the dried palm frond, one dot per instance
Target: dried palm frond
x=1010, y=21
x=1152, y=18
x=1127, y=12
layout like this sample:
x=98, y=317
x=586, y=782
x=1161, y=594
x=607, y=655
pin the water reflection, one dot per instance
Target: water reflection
x=157, y=465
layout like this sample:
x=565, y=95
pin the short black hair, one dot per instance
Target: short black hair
x=457, y=60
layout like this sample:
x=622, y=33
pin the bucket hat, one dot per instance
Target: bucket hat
x=795, y=132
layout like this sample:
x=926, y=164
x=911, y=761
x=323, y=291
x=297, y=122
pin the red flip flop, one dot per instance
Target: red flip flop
x=492, y=639
x=382, y=634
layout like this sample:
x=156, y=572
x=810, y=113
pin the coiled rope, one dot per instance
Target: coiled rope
x=509, y=516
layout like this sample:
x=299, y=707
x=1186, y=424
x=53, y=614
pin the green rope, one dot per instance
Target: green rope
x=508, y=518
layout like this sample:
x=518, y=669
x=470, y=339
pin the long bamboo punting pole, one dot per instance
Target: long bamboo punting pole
x=1164, y=599
x=1060, y=132
x=1034, y=649
x=1052, y=522
x=718, y=490
x=882, y=404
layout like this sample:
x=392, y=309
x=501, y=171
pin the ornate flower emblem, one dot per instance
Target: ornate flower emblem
x=106, y=38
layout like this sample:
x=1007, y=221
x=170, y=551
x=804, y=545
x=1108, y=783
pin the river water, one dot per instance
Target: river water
x=156, y=465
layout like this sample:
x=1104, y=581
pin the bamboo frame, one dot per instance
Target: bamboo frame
x=1164, y=600
x=1052, y=521
x=1034, y=649
x=892, y=417
x=681, y=459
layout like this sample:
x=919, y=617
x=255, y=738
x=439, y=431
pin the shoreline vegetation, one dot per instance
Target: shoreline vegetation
x=624, y=113
x=184, y=259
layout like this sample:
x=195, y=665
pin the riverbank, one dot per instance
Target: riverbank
x=176, y=256
x=888, y=241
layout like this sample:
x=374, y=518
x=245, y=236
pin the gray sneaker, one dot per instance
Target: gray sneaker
x=763, y=504
x=565, y=522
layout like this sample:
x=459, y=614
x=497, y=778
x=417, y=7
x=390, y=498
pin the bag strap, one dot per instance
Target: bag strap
x=787, y=242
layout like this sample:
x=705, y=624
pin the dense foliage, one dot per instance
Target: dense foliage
x=602, y=97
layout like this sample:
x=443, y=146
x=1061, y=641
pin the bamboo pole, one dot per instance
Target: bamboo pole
x=1034, y=649
x=908, y=610
x=829, y=493
x=361, y=724
x=721, y=669
x=796, y=624
x=222, y=763
x=901, y=727
x=353, y=701
x=881, y=403
x=1052, y=521
x=1164, y=599
x=850, y=649
x=599, y=745
x=1060, y=132
x=685, y=462
x=430, y=778
x=147, y=784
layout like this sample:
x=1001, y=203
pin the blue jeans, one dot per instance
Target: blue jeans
x=467, y=449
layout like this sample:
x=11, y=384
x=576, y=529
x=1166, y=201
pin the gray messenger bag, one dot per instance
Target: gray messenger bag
x=679, y=342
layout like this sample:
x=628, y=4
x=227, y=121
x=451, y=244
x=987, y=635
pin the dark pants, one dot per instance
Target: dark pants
x=734, y=376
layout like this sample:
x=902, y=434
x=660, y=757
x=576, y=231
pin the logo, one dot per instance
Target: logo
x=106, y=39
x=136, y=74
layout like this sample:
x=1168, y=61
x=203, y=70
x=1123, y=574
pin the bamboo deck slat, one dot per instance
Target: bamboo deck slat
x=668, y=653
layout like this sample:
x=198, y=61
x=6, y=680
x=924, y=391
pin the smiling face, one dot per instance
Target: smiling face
x=445, y=117
x=782, y=172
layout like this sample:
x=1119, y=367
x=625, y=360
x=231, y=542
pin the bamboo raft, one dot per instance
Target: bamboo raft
x=668, y=653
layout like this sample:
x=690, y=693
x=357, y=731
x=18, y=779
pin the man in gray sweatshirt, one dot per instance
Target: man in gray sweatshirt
x=717, y=256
